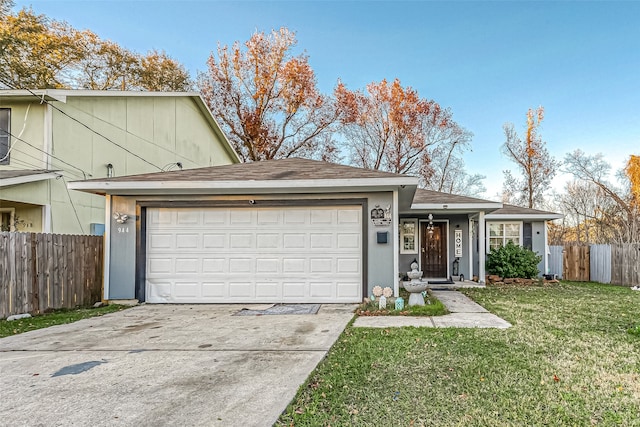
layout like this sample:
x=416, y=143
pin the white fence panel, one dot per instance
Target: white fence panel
x=600, y=263
x=555, y=260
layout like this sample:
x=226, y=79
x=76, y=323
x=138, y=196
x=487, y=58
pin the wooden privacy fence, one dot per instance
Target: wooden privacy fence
x=575, y=263
x=48, y=271
x=618, y=264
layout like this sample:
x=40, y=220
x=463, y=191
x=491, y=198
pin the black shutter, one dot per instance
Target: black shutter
x=527, y=236
x=5, y=117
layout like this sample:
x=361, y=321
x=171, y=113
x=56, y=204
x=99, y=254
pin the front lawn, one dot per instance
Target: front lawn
x=56, y=317
x=571, y=359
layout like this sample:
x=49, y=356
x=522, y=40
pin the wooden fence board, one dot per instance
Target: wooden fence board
x=576, y=263
x=48, y=271
x=4, y=272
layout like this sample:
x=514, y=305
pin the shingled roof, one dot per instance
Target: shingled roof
x=423, y=196
x=518, y=211
x=268, y=170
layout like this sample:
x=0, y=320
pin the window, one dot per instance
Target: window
x=5, y=122
x=408, y=231
x=502, y=232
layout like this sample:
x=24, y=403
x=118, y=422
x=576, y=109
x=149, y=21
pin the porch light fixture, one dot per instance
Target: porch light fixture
x=430, y=225
x=109, y=170
x=120, y=218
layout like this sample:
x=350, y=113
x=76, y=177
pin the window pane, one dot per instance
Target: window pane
x=495, y=230
x=515, y=240
x=495, y=243
x=512, y=230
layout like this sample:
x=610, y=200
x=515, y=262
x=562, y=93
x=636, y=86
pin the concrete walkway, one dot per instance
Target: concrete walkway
x=465, y=313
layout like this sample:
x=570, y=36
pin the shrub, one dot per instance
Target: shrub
x=512, y=261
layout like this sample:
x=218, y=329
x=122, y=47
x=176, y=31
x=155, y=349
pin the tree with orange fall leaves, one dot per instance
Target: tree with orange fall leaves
x=267, y=99
x=390, y=127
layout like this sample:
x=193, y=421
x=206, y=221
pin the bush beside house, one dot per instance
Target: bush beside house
x=513, y=261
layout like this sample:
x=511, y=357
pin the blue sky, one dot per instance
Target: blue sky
x=488, y=61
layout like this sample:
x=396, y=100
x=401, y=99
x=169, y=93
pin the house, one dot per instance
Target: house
x=292, y=230
x=48, y=137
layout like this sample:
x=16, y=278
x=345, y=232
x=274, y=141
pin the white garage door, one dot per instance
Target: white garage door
x=227, y=255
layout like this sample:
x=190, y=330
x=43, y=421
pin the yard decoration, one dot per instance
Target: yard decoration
x=383, y=302
x=399, y=304
x=377, y=291
x=387, y=292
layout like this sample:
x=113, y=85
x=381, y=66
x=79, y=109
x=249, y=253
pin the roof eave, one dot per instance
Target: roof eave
x=542, y=217
x=240, y=187
x=456, y=206
x=6, y=182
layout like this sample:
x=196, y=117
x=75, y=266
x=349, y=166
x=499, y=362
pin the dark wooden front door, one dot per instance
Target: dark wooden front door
x=433, y=250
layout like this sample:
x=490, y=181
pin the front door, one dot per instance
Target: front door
x=433, y=250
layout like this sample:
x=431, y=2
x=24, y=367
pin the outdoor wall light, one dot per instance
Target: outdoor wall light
x=120, y=217
x=430, y=225
x=109, y=170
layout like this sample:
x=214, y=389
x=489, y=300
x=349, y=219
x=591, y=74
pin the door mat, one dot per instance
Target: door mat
x=281, y=309
x=441, y=282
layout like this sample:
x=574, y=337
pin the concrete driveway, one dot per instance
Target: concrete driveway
x=155, y=365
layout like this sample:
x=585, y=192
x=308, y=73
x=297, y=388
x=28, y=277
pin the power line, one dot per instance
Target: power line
x=40, y=166
x=72, y=204
x=50, y=155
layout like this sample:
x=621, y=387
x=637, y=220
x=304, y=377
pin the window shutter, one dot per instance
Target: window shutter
x=527, y=236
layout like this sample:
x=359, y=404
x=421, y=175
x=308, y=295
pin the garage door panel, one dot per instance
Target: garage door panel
x=241, y=217
x=268, y=265
x=183, y=291
x=346, y=265
x=348, y=241
x=321, y=241
x=188, y=217
x=294, y=265
x=307, y=254
x=160, y=241
x=296, y=217
x=268, y=241
x=213, y=290
x=213, y=265
x=268, y=289
x=242, y=289
x=188, y=266
x=294, y=241
x=214, y=241
x=187, y=241
x=156, y=266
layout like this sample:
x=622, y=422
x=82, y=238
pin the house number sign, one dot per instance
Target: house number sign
x=458, y=243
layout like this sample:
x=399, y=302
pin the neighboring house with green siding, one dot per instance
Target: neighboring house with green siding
x=49, y=137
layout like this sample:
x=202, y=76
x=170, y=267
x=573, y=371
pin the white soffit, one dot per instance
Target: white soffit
x=238, y=187
x=6, y=182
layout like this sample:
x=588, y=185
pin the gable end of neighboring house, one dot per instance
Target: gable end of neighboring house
x=50, y=137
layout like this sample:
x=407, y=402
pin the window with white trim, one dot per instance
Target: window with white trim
x=5, y=123
x=502, y=232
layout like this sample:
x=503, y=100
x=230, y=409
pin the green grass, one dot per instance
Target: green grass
x=56, y=317
x=568, y=360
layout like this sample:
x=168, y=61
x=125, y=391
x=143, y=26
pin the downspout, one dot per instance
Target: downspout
x=470, y=247
x=395, y=229
x=107, y=246
x=482, y=247
x=47, y=149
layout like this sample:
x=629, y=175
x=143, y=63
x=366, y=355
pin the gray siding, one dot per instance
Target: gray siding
x=122, y=268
